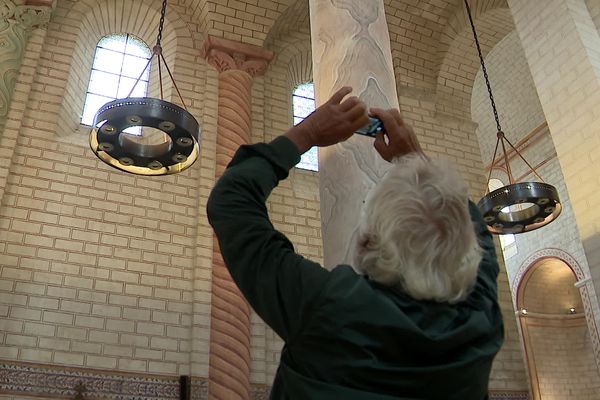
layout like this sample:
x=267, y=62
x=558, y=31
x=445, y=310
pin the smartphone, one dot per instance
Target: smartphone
x=372, y=128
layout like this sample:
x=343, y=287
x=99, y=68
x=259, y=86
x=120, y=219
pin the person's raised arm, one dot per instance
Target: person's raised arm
x=279, y=283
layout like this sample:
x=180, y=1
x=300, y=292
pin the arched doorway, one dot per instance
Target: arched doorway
x=558, y=348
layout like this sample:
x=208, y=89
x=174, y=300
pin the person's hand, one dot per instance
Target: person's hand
x=401, y=139
x=331, y=123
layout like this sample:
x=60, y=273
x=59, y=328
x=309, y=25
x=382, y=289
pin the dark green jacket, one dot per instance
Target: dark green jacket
x=347, y=337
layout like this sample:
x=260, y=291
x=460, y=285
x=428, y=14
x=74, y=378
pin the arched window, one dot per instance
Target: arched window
x=303, y=100
x=509, y=246
x=118, y=62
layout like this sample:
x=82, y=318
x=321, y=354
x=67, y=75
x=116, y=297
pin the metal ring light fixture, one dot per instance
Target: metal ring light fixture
x=517, y=207
x=179, y=129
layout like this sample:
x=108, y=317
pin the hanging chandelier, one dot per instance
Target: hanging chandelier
x=178, y=131
x=520, y=206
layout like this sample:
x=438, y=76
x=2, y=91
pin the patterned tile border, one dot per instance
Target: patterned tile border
x=497, y=395
x=56, y=382
x=63, y=383
x=199, y=390
x=259, y=392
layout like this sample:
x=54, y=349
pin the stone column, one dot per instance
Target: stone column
x=229, y=369
x=16, y=23
x=350, y=46
x=562, y=47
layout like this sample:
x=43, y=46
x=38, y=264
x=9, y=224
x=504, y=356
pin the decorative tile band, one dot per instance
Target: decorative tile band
x=497, y=395
x=68, y=383
x=259, y=392
x=199, y=390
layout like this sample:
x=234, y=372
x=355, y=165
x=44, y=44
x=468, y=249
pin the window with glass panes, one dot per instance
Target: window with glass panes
x=509, y=246
x=303, y=100
x=118, y=62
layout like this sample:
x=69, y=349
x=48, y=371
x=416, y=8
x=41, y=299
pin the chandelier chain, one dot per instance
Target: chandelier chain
x=162, y=22
x=485, y=74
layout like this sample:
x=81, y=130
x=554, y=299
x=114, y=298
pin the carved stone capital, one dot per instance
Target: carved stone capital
x=33, y=14
x=225, y=55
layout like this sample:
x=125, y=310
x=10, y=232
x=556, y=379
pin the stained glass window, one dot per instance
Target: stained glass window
x=118, y=62
x=303, y=100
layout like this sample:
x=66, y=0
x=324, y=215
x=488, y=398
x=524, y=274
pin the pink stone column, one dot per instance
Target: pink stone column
x=229, y=364
x=350, y=46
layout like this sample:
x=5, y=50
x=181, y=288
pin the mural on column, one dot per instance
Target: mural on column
x=355, y=51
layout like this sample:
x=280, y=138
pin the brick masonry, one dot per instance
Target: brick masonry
x=106, y=271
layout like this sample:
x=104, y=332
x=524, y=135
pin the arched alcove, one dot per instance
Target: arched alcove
x=557, y=341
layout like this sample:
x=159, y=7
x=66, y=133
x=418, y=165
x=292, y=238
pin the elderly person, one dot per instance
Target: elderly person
x=415, y=317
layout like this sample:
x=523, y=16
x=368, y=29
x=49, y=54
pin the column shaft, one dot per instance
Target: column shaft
x=229, y=363
x=230, y=314
x=350, y=46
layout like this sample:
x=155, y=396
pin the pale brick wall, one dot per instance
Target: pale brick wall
x=508, y=370
x=550, y=276
x=97, y=266
x=106, y=270
x=565, y=365
x=518, y=105
x=571, y=43
x=460, y=62
x=520, y=113
x=243, y=21
x=17, y=108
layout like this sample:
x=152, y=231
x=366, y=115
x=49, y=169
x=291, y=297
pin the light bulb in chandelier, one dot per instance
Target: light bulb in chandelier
x=165, y=136
x=520, y=206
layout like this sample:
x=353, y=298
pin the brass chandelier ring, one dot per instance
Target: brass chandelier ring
x=520, y=207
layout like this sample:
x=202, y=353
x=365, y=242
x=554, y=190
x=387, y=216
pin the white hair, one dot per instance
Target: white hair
x=416, y=232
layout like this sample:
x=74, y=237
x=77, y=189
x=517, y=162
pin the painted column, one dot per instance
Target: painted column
x=350, y=46
x=229, y=365
x=16, y=23
x=562, y=47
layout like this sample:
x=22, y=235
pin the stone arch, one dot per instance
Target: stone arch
x=296, y=17
x=540, y=330
x=534, y=258
x=300, y=68
x=293, y=59
x=458, y=62
x=298, y=59
x=582, y=281
x=90, y=20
